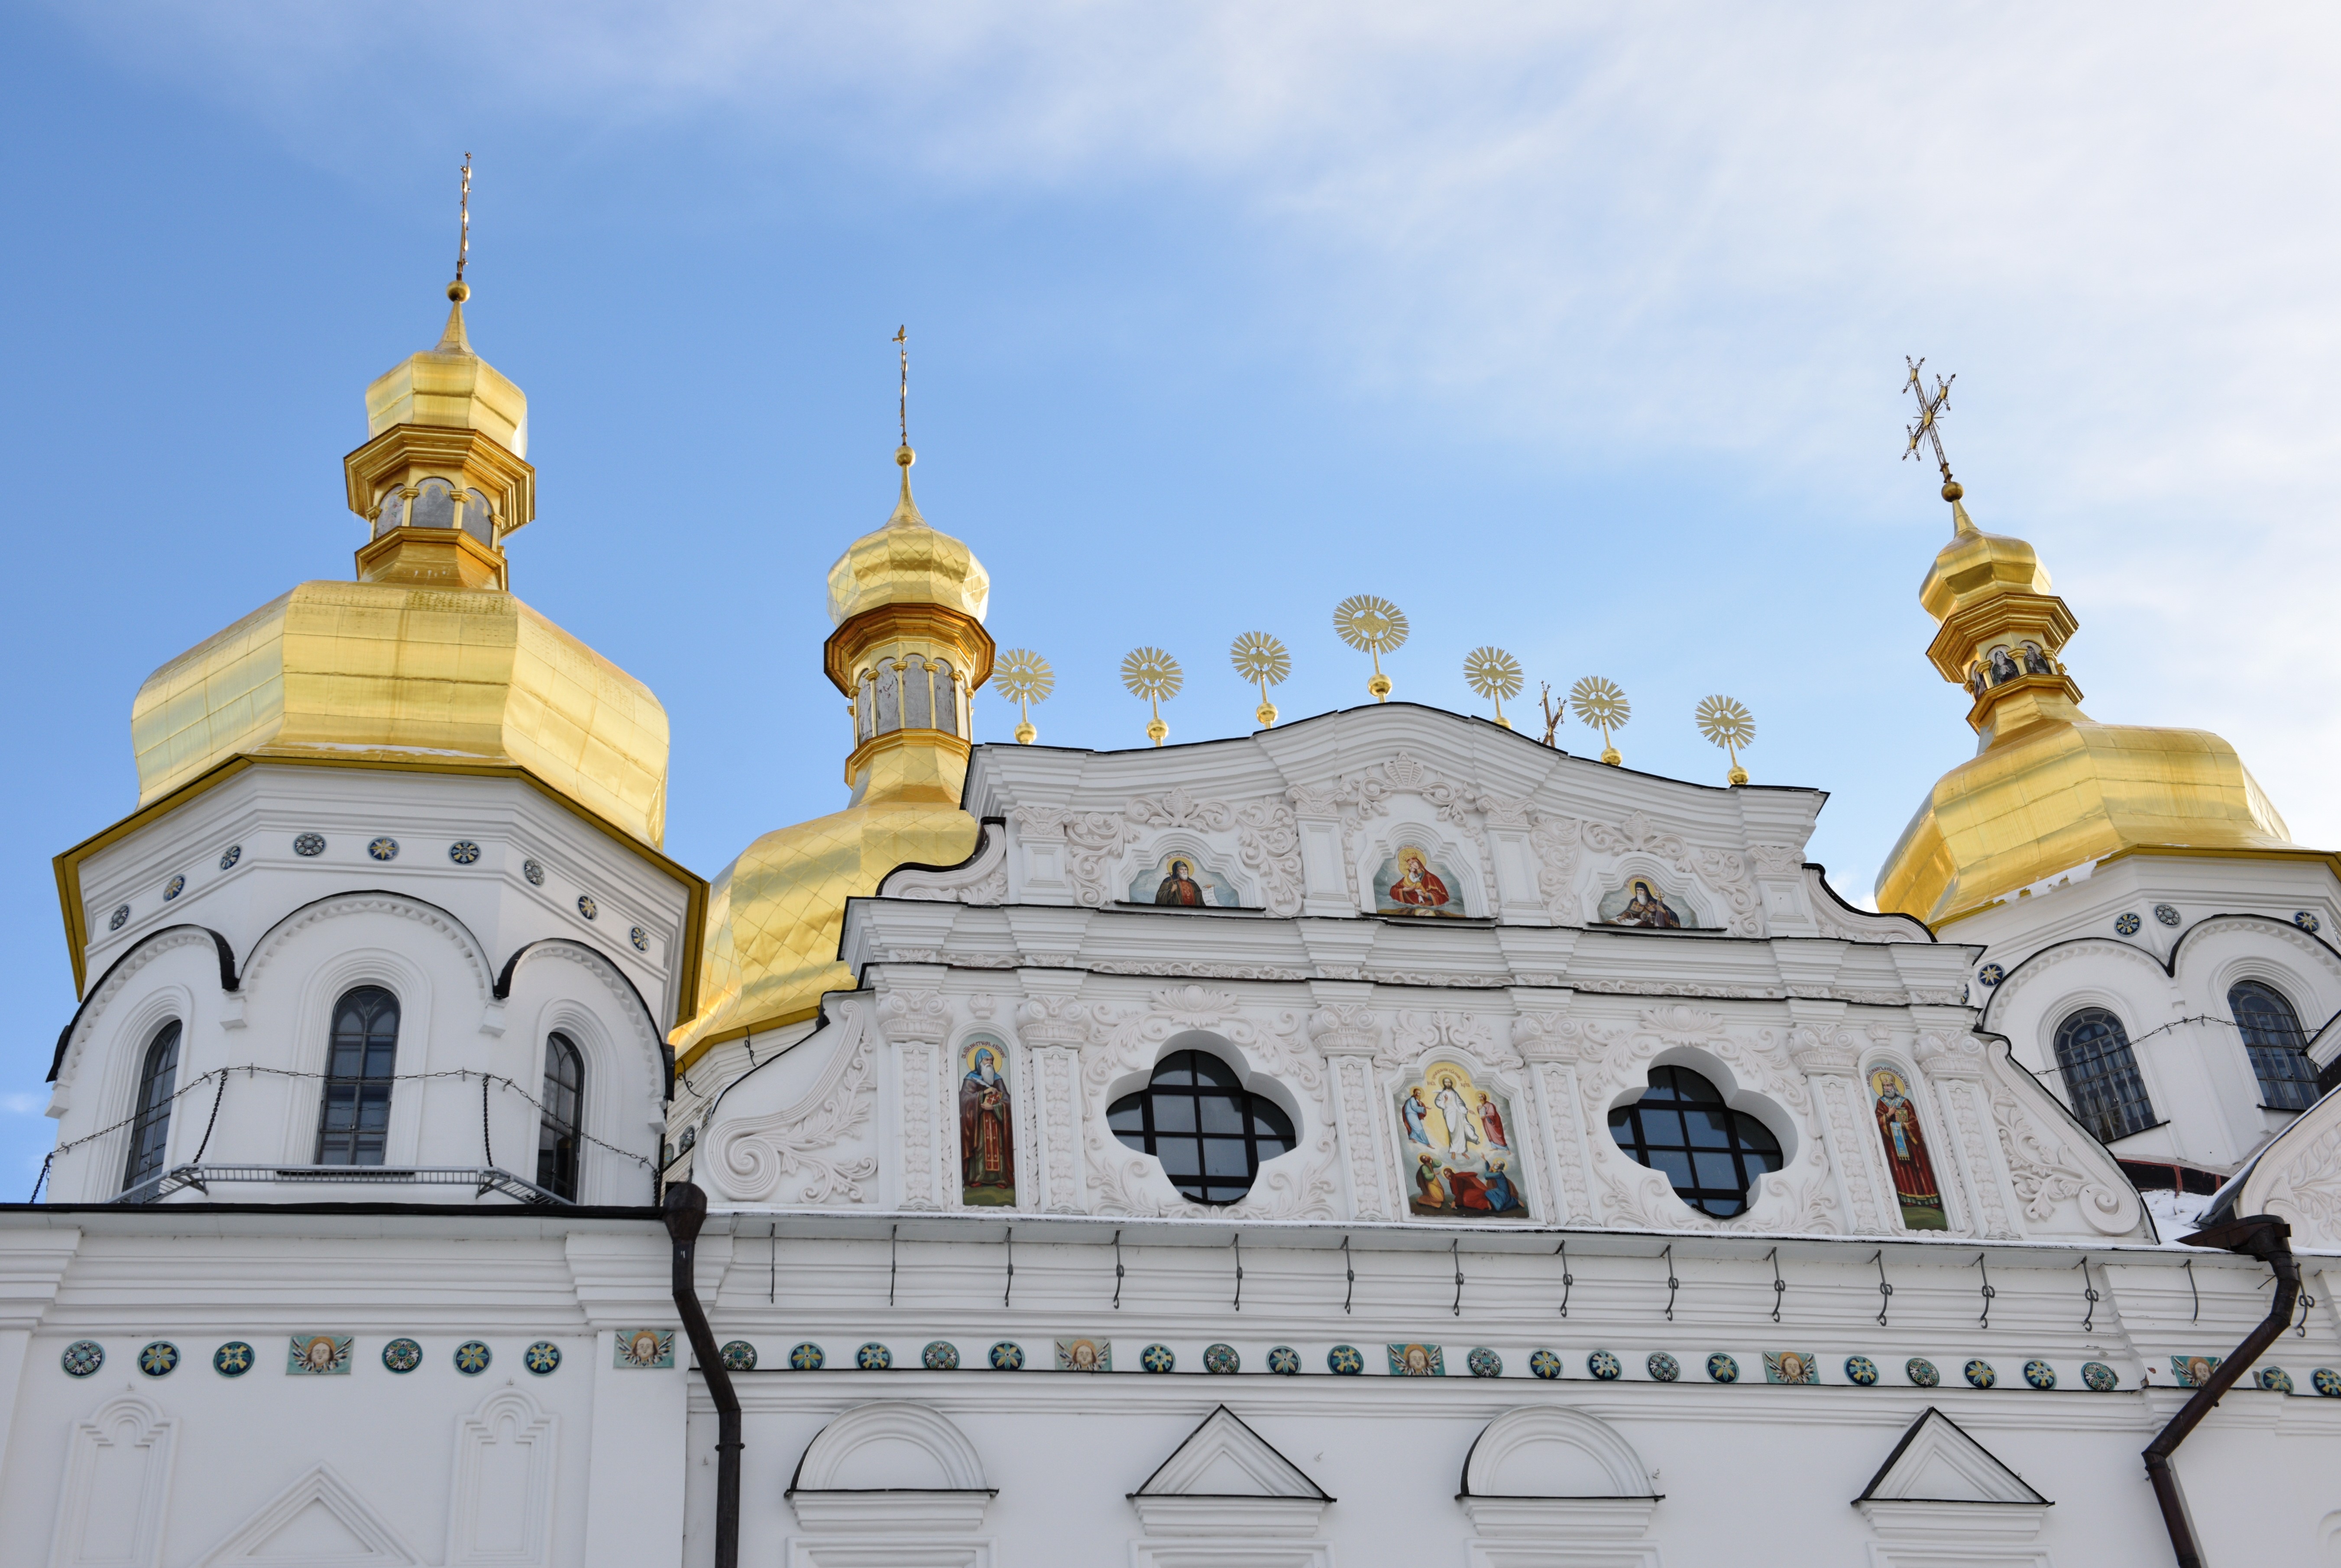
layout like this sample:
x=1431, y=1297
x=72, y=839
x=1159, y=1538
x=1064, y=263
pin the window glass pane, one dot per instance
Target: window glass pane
x=1127, y=1116
x=354, y=1109
x=1708, y=1129
x=1225, y=1157
x=1174, y=1113
x=1674, y=1164
x=1222, y=1113
x=1717, y=1172
x=150, y=1131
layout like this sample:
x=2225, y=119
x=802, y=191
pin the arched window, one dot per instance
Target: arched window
x=2101, y=1075
x=354, y=1123
x=158, y=1077
x=2279, y=1051
x=1682, y=1128
x=1210, y=1132
x=557, y=1141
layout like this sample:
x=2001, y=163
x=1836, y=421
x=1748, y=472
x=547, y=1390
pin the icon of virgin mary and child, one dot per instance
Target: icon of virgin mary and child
x=1414, y=888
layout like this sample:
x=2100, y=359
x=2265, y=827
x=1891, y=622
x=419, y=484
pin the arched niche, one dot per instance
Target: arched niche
x=891, y=1468
x=1544, y=1473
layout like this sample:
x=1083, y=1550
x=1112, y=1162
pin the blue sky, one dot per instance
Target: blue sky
x=1577, y=330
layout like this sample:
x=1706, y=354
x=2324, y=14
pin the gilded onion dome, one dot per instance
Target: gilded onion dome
x=426, y=661
x=2049, y=789
x=909, y=652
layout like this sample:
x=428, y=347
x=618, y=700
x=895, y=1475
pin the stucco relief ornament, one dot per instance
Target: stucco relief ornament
x=1091, y=839
x=1722, y=872
x=2044, y=1176
x=914, y=1015
x=1267, y=837
x=801, y=1143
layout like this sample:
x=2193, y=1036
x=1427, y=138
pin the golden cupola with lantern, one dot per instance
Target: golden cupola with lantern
x=908, y=653
x=426, y=661
x=2049, y=789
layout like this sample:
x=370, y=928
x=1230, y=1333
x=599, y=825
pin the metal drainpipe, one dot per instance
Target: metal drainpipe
x=686, y=1211
x=2268, y=1239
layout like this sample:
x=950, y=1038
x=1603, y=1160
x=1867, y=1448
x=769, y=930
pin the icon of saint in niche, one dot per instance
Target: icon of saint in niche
x=987, y=1142
x=1921, y=1200
x=1647, y=907
x=1180, y=887
x=1416, y=885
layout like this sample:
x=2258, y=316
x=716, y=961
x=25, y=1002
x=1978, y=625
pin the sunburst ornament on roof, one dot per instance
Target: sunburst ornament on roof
x=1727, y=723
x=1495, y=675
x=1371, y=625
x=1024, y=678
x=1600, y=705
x=1151, y=673
x=1261, y=660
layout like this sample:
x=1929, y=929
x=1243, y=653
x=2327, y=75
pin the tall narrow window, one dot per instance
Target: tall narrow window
x=158, y=1077
x=354, y=1125
x=564, y=1111
x=2101, y=1075
x=2279, y=1051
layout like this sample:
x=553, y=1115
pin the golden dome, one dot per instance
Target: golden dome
x=403, y=674
x=907, y=563
x=910, y=651
x=2049, y=790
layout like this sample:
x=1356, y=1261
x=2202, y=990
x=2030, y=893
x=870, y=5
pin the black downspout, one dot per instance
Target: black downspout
x=2268, y=1239
x=686, y=1211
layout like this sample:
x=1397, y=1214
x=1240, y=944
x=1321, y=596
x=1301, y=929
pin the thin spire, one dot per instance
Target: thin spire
x=906, y=511
x=901, y=341
x=463, y=244
x=454, y=340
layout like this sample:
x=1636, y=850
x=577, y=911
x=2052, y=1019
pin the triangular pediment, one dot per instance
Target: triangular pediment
x=1937, y=1462
x=1225, y=1458
x=318, y=1522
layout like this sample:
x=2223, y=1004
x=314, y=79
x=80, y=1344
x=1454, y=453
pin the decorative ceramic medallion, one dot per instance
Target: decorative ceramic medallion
x=463, y=852
x=233, y=853
x=161, y=1358
x=1094, y=1355
x=2327, y=1382
x=639, y=938
x=120, y=916
x=1006, y=1356
x=1417, y=1360
x=2194, y=1371
x=1991, y=974
x=310, y=844
x=1158, y=1358
x=402, y=1355
x=471, y=1358
x=1663, y=1367
x=873, y=1357
x=587, y=907
x=542, y=1357
x=738, y=1355
x=1979, y=1373
x=534, y=871
x=2274, y=1379
x=2098, y=1378
x=644, y=1349
x=1484, y=1362
x=1722, y=1368
x=1284, y=1361
x=1922, y=1371
x=807, y=1358
x=2305, y=921
x=2128, y=924
x=1861, y=1372
x=1604, y=1365
x=1791, y=1366
x=1545, y=1364
x=83, y=1357
x=2040, y=1375
x=318, y=1356
x=2166, y=914
x=173, y=888
x=233, y=1359
x=383, y=848
x=1222, y=1358
x=941, y=1355
x=1345, y=1360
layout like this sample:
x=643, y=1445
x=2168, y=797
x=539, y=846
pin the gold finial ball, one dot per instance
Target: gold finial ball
x=1737, y=775
x=1025, y=733
x=1613, y=757
x=1156, y=730
x=1953, y=490
x=459, y=291
x=904, y=455
x=1379, y=689
x=1265, y=715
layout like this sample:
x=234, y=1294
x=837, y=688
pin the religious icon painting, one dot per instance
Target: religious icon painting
x=1183, y=881
x=1462, y=1161
x=644, y=1349
x=1084, y=1355
x=1412, y=881
x=1905, y=1152
x=318, y=1356
x=987, y=1125
x=1643, y=902
x=2194, y=1371
x=1791, y=1367
x=1417, y=1360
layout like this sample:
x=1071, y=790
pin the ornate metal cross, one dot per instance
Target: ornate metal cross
x=901, y=341
x=1929, y=410
x=463, y=245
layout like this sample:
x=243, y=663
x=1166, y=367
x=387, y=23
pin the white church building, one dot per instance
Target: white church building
x=1378, y=1139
